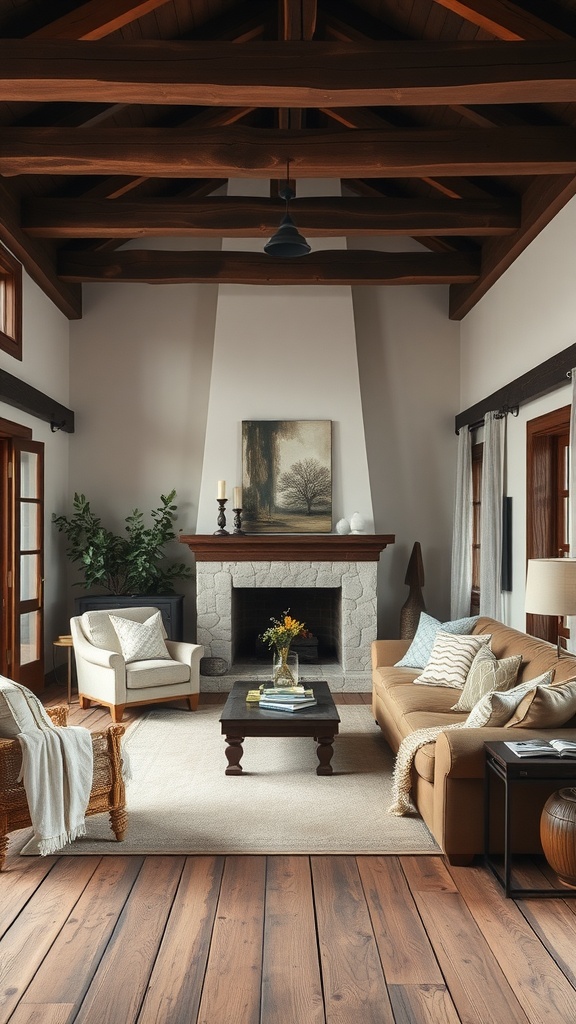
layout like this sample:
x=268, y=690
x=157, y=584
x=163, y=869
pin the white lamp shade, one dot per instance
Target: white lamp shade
x=551, y=586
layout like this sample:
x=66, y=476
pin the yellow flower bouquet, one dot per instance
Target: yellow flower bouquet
x=279, y=636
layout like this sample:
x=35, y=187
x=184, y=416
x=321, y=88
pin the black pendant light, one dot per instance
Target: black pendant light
x=287, y=240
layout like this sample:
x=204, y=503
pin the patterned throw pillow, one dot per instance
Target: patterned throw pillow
x=418, y=654
x=451, y=659
x=545, y=707
x=487, y=674
x=141, y=641
x=496, y=708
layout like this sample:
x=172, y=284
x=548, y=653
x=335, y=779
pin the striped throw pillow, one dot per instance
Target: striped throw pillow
x=451, y=658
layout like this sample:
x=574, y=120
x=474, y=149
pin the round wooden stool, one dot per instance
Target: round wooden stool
x=558, y=834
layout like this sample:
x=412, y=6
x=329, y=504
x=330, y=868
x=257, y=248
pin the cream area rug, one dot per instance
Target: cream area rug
x=180, y=800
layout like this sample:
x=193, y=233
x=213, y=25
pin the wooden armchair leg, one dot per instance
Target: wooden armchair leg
x=3, y=849
x=117, y=712
x=119, y=823
x=193, y=701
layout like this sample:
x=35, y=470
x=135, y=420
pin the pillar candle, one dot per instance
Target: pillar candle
x=221, y=488
x=237, y=503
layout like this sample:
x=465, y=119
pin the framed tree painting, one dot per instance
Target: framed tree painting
x=287, y=476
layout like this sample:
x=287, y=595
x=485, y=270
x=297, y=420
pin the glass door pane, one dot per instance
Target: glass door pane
x=28, y=559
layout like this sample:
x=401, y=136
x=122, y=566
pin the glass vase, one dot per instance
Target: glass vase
x=285, y=667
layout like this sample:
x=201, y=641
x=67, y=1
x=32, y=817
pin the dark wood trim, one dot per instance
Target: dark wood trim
x=545, y=377
x=288, y=547
x=35, y=258
x=11, y=283
x=541, y=501
x=326, y=266
x=23, y=396
x=10, y=429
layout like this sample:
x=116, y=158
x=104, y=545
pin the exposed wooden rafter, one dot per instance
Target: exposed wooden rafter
x=251, y=217
x=293, y=74
x=255, y=152
x=325, y=267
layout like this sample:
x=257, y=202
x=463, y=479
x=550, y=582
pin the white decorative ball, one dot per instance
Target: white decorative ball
x=357, y=523
x=342, y=526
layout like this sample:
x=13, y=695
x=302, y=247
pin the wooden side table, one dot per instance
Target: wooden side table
x=516, y=775
x=66, y=641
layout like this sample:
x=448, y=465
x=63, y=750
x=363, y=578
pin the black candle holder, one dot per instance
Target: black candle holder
x=238, y=522
x=221, y=520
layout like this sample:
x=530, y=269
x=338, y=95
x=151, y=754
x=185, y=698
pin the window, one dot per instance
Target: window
x=10, y=304
x=547, y=501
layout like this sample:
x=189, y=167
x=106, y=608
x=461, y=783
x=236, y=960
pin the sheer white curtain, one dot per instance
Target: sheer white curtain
x=491, y=516
x=571, y=619
x=461, y=575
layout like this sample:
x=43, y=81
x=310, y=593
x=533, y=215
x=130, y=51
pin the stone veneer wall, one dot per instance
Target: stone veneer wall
x=214, y=582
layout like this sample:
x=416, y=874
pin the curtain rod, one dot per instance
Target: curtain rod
x=545, y=377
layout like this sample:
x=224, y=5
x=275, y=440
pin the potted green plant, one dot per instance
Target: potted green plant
x=132, y=567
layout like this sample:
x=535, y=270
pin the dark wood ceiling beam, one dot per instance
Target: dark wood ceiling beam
x=261, y=153
x=543, y=199
x=291, y=74
x=97, y=19
x=251, y=217
x=325, y=267
x=36, y=260
x=298, y=18
x=503, y=19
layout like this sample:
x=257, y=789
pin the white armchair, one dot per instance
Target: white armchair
x=106, y=677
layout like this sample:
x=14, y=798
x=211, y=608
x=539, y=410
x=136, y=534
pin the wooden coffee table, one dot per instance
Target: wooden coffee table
x=239, y=719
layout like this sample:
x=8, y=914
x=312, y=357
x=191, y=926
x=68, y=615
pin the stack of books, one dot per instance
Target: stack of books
x=287, y=698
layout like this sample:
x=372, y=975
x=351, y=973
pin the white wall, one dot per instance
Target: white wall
x=44, y=365
x=526, y=317
x=140, y=368
x=409, y=374
x=286, y=353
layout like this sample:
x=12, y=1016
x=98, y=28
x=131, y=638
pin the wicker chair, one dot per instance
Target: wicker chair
x=107, y=795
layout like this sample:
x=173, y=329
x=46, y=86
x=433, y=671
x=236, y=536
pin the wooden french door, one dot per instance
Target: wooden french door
x=22, y=622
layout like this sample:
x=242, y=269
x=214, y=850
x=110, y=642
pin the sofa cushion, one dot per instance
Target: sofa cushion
x=451, y=658
x=487, y=674
x=418, y=654
x=545, y=707
x=141, y=641
x=496, y=708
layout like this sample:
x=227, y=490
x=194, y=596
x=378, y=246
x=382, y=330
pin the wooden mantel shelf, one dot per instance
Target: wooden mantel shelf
x=360, y=547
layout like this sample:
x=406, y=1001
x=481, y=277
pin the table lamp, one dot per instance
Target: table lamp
x=551, y=588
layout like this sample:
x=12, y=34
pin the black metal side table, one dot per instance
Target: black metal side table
x=516, y=774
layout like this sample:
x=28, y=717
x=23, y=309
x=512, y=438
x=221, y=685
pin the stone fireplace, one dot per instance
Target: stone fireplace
x=328, y=581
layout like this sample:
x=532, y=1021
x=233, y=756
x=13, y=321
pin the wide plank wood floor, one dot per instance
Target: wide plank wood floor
x=277, y=940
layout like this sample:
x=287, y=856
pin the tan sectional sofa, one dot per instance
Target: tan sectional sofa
x=448, y=776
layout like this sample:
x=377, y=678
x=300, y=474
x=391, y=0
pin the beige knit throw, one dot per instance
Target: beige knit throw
x=402, y=775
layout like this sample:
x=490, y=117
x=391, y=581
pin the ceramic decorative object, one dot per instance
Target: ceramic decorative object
x=342, y=526
x=558, y=834
x=414, y=605
x=357, y=524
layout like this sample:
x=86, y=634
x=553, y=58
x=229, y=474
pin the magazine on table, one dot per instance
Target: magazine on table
x=543, y=748
x=281, y=705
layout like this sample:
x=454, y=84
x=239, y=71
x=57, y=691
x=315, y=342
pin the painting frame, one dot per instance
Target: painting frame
x=287, y=476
